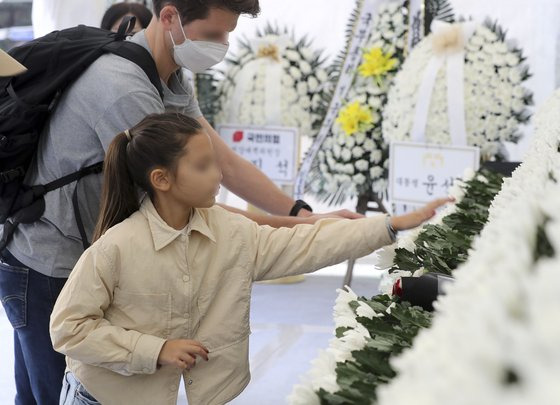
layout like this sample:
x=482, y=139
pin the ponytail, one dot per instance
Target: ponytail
x=158, y=141
x=119, y=197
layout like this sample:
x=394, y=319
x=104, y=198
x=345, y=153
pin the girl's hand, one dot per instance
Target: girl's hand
x=417, y=218
x=181, y=353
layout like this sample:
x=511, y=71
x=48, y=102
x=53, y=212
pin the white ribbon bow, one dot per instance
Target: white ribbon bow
x=449, y=42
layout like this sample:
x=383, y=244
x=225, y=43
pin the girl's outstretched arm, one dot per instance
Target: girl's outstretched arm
x=275, y=253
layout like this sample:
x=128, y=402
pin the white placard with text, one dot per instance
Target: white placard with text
x=274, y=150
x=419, y=172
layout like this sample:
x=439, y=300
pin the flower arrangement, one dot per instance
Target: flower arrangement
x=496, y=100
x=275, y=79
x=353, y=158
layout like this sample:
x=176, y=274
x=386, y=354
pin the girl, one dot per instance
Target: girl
x=165, y=292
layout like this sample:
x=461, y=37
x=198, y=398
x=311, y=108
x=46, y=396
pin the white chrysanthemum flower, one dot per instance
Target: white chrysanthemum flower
x=294, y=56
x=321, y=76
x=457, y=191
x=376, y=156
x=359, y=179
x=360, y=138
x=302, y=89
x=313, y=84
x=357, y=152
x=305, y=68
x=362, y=165
x=307, y=53
x=364, y=310
x=468, y=174
x=384, y=258
x=376, y=172
x=295, y=73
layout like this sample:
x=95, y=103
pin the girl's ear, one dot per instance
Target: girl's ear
x=160, y=179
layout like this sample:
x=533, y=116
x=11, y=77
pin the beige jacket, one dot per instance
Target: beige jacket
x=144, y=282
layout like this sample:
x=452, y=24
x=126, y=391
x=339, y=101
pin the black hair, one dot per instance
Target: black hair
x=191, y=10
x=119, y=10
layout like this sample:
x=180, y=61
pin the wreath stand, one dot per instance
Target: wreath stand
x=367, y=202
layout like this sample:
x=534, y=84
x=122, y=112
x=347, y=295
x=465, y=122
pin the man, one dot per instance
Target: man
x=111, y=96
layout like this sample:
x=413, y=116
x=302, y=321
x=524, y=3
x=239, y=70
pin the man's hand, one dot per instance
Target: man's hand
x=341, y=214
x=289, y=222
x=181, y=353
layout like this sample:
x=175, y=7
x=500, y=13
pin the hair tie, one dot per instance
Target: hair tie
x=128, y=136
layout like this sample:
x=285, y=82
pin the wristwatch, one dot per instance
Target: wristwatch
x=298, y=206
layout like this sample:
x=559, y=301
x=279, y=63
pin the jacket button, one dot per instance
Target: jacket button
x=186, y=278
x=190, y=382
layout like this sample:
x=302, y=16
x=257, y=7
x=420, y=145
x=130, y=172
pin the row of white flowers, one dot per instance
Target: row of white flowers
x=505, y=299
x=495, y=335
x=322, y=374
x=384, y=258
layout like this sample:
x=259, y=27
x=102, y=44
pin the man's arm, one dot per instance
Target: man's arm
x=246, y=180
x=249, y=183
x=274, y=221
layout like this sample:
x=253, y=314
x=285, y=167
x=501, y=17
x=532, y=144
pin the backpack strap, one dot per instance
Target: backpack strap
x=140, y=56
x=72, y=177
x=75, y=177
x=33, y=204
x=125, y=27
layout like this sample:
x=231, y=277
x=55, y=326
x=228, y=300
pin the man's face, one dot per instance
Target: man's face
x=214, y=28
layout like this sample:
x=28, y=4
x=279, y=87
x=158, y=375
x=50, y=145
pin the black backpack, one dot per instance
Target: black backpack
x=54, y=62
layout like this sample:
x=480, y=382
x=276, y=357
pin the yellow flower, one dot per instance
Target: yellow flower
x=354, y=117
x=376, y=63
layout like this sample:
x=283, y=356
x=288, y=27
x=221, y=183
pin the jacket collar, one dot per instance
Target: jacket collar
x=163, y=234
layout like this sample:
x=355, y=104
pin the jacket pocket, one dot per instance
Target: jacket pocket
x=145, y=313
x=13, y=293
x=223, y=314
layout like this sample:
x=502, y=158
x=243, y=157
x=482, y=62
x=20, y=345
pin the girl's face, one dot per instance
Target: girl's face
x=196, y=179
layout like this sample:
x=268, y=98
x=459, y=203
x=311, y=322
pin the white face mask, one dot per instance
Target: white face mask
x=197, y=56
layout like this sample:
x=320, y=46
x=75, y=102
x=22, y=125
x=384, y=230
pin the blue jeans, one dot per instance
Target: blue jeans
x=74, y=393
x=28, y=298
